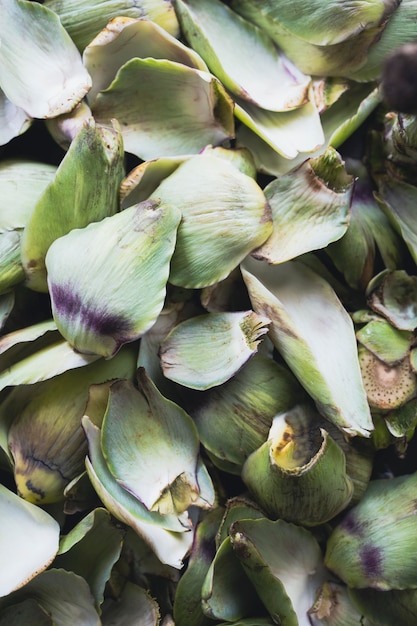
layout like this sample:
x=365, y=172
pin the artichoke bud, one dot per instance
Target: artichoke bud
x=108, y=281
x=45, y=438
x=374, y=545
x=299, y=474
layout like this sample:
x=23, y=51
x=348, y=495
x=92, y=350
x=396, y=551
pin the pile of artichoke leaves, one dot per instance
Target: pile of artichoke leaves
x=208, y=304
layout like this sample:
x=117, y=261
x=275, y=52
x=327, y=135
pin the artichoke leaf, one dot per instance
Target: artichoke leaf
x=84, y=19
x=197, y=113
x=310, y=208
x=151, y=422
x=134, y=601
x=91, y=549
x=13, y=120
x=121, y=293
x=168, y=535
x=84, y=190
x=287, y=132
x=299, y=473
x=225, y=216
x=126, y=38
x=207, y=350
x=285, y=577
x=22, y=184
x=315, y=335
x=28, y=540
x=227, y=592
x=63, y=595
x=41, y=70
x=262, y=76
x=373, y=545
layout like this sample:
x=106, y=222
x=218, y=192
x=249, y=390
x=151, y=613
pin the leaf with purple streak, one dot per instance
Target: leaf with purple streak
x=108, y=281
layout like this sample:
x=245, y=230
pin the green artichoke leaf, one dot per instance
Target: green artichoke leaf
x=349, y=112
x=45, y=435
x=271, y=141
x=169, y=536
x=63, y=595
x=28, y=540
x=385, y=341
x=43, y=364
x=399, y=29
x=187, y=601
x=398, y=199
x=108, y=280
x=393, y=293
x=198, y=111
x=19, y=344
x=225, y=216
x=267, y=159
x=402, y=422
x=369, y=230
x=127, y=38
x=133, y=603
x=234, y=419
x=84, y=19
x=91, y=549
x=299, y=473
x=227, y=593
x=372, y=546
x=84, y=190
x=41, y=70
x=11, y=270
x=287, y=132
x=315, y=335
x=207, y=350
x=142, y=181
x=237, y=508
x=22, y=184
x=241, y=157
x=389, y=608
x=262, y=76
x=149, y=346
x=286, y=577
x=135, y=424
x=13, y=120
x=26, y=612
x=320, y=23
x=303, y=32
x=310, y=208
